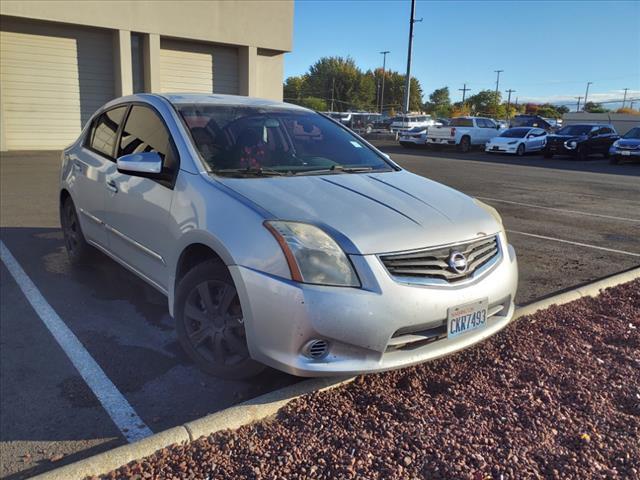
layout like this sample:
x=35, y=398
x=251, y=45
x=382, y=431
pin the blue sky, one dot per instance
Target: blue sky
x=548, y=50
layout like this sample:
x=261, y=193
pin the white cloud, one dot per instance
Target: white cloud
x=610, y=96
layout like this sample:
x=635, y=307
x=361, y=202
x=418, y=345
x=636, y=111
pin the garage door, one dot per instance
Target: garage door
x=53, y=77
x=197, y=67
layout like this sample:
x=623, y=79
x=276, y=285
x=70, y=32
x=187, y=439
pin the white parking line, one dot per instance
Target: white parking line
x=120, y=411
x=613, y=250
x=562, y=210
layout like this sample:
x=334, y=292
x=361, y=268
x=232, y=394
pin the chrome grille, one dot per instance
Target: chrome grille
x=434, y=263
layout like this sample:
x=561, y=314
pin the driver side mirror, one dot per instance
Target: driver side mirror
x=140, y=164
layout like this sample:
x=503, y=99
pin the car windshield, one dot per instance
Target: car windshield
x=634, y=133
x=234, y=140
x=515, y=133
x=575, y=130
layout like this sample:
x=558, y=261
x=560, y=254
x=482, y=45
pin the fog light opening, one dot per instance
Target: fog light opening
x=316, y=349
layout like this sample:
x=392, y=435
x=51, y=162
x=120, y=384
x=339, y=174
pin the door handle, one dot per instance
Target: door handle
x=112, y=187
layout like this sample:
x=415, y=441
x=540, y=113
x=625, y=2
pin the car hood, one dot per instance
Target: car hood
x=376, y=212
x=628, y=142
x=564, y=138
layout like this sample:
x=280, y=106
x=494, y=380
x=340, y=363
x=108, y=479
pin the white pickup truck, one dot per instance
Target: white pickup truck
x=463, y=132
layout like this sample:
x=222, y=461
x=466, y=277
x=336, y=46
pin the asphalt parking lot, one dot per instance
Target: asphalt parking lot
x=570, y=223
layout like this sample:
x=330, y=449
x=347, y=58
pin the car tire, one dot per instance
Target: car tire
x=521, y=150
x=214, y=340
x=465, y=144
x=581, y=153
x=78, y=250
x=614, y=160
x=547, y=154
x=605, y=154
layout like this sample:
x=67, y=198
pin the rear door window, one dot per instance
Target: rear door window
x=104, y=131
x=461, y=122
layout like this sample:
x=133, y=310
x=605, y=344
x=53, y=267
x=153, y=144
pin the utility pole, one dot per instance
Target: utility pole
x=586, y=94
x=407, y=85
x=464, y=91
x=333, y=87
x=509, y=103
x=384, y=66
x=624, y=100
x=497, y=87
x=578, y=106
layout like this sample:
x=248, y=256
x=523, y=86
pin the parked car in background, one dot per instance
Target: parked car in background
x=383, y=123
x=442, y=121
x=519, y=140
x=464, y=132
x=531, y=121
x=280, y=238
x=581, y=140
x=626, y=148
x=363, y=122
x=407, y=122
x=417, y=136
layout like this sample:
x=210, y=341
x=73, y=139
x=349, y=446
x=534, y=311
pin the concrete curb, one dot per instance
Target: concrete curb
x=244, y=413
x=266, y=405
x=587, y=290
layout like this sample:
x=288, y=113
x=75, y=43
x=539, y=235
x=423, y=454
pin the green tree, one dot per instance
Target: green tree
x=439, y=103
x=484, y=102
x=314, y=103
x=293, y=88
x=594, y=108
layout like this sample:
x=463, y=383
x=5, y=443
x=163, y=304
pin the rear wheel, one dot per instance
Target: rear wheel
x=78, y=250
x=581, y=153
x=547, y=154
x=521, y=150
x=465, y=144
x=210, y=324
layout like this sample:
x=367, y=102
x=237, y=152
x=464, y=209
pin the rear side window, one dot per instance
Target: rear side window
x=144, y=131
x=461, y=122
x=104, y=131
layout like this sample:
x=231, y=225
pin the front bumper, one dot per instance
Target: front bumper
x=500, y=148
x=625, y=153
x=281, y=316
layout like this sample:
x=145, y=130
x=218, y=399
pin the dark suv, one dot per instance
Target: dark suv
x=531, y=121
x=581, y=140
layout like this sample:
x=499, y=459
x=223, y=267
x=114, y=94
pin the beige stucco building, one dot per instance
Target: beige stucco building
x=62, y=59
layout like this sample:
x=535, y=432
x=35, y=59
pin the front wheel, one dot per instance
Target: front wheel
x=210, y=324
x=521, y=149
x=547, y=154
x=78, y=250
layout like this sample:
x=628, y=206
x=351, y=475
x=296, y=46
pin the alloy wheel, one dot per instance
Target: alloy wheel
x=71, y=228
x=214, y=323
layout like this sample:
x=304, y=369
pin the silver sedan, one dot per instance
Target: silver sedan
x=281, y=238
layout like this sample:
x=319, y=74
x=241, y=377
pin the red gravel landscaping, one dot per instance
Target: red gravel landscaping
x=555, y=395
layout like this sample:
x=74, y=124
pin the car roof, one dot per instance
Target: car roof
x=220, y=99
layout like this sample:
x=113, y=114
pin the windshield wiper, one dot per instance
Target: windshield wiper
x=257, y=171
x=336, y=169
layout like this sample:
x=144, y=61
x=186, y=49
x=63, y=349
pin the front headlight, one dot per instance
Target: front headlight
x=513, y=143
x=616, y=144
x=490, y=210
x=312, y=255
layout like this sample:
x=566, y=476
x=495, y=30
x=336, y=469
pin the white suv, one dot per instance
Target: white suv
x=408, y=122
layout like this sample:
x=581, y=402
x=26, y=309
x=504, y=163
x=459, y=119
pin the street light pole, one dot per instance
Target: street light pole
x=497, y=88
x=586, y=94
x=578, y=106
x=407, y=85
x=384, y=65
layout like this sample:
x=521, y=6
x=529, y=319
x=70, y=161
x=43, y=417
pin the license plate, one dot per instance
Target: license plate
x=625, y=153
x=466, y=318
